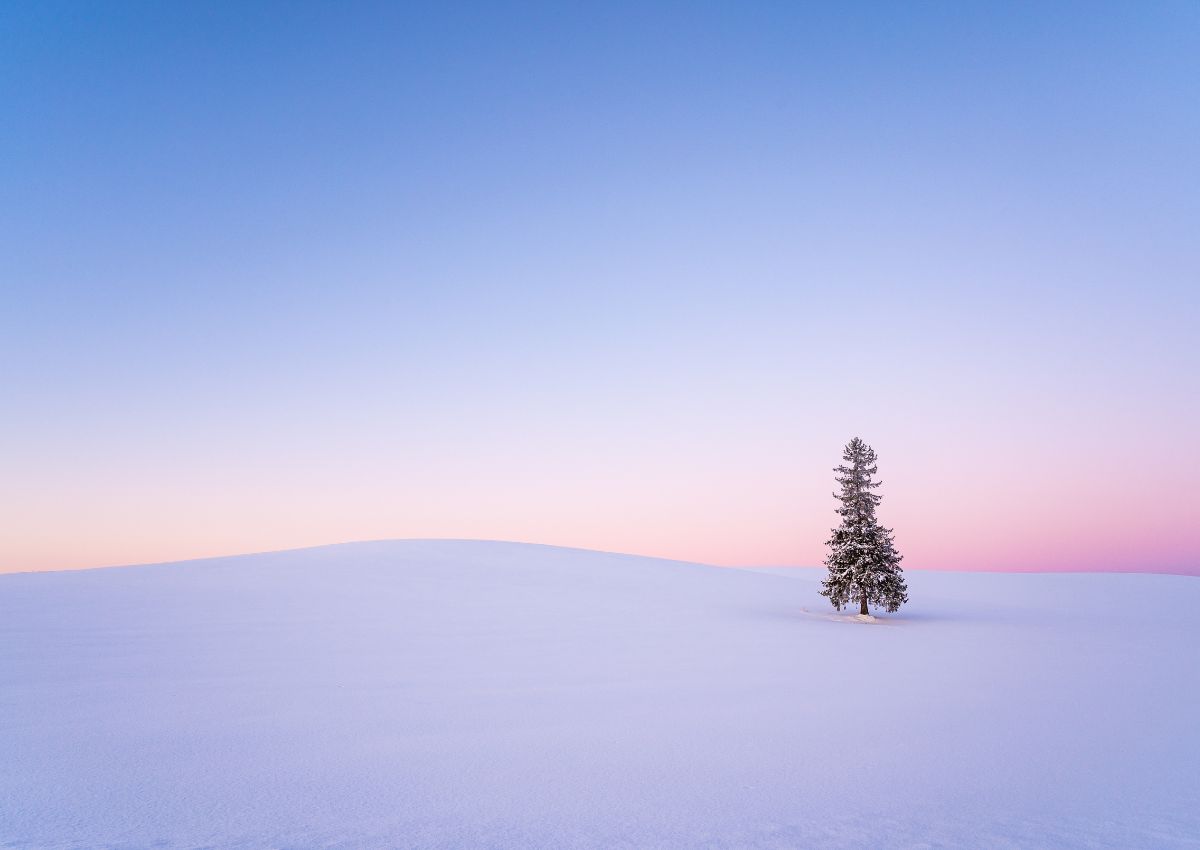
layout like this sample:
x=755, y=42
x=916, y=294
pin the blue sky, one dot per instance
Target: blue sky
x=616, y=276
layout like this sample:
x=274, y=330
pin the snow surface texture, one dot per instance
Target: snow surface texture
x=467, y=694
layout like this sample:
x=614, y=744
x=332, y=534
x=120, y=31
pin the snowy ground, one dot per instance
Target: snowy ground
x=459, y=694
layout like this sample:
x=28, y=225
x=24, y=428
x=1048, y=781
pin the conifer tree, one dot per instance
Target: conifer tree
x=864, y=566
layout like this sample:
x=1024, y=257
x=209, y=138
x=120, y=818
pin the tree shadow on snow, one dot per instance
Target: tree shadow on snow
x=798, y=614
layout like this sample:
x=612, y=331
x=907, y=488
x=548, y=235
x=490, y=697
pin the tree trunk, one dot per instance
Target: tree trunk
x=862, y=605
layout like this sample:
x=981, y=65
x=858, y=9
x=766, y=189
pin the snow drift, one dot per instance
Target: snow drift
x=472, y=694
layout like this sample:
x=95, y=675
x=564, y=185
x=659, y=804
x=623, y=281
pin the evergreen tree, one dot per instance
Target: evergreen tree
x=864, y=566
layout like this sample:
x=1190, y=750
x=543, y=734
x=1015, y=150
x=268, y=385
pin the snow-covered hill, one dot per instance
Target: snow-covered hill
x=471, y=694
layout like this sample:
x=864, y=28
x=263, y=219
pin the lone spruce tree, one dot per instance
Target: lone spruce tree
x=864, y=566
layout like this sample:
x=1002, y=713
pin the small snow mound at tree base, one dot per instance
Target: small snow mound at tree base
x=852, y=619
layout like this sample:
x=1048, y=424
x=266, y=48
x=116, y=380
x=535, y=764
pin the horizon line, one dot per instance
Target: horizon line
x=1015, y=569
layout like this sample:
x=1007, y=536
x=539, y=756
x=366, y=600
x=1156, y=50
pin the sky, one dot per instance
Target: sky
x=623, y=277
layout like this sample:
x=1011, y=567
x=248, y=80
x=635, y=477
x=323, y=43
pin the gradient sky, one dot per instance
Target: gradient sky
x=619, y=277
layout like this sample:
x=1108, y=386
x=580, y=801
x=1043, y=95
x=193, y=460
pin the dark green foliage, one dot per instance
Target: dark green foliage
x=864, y=566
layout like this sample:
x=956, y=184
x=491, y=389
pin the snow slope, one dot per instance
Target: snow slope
x=469, y=694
